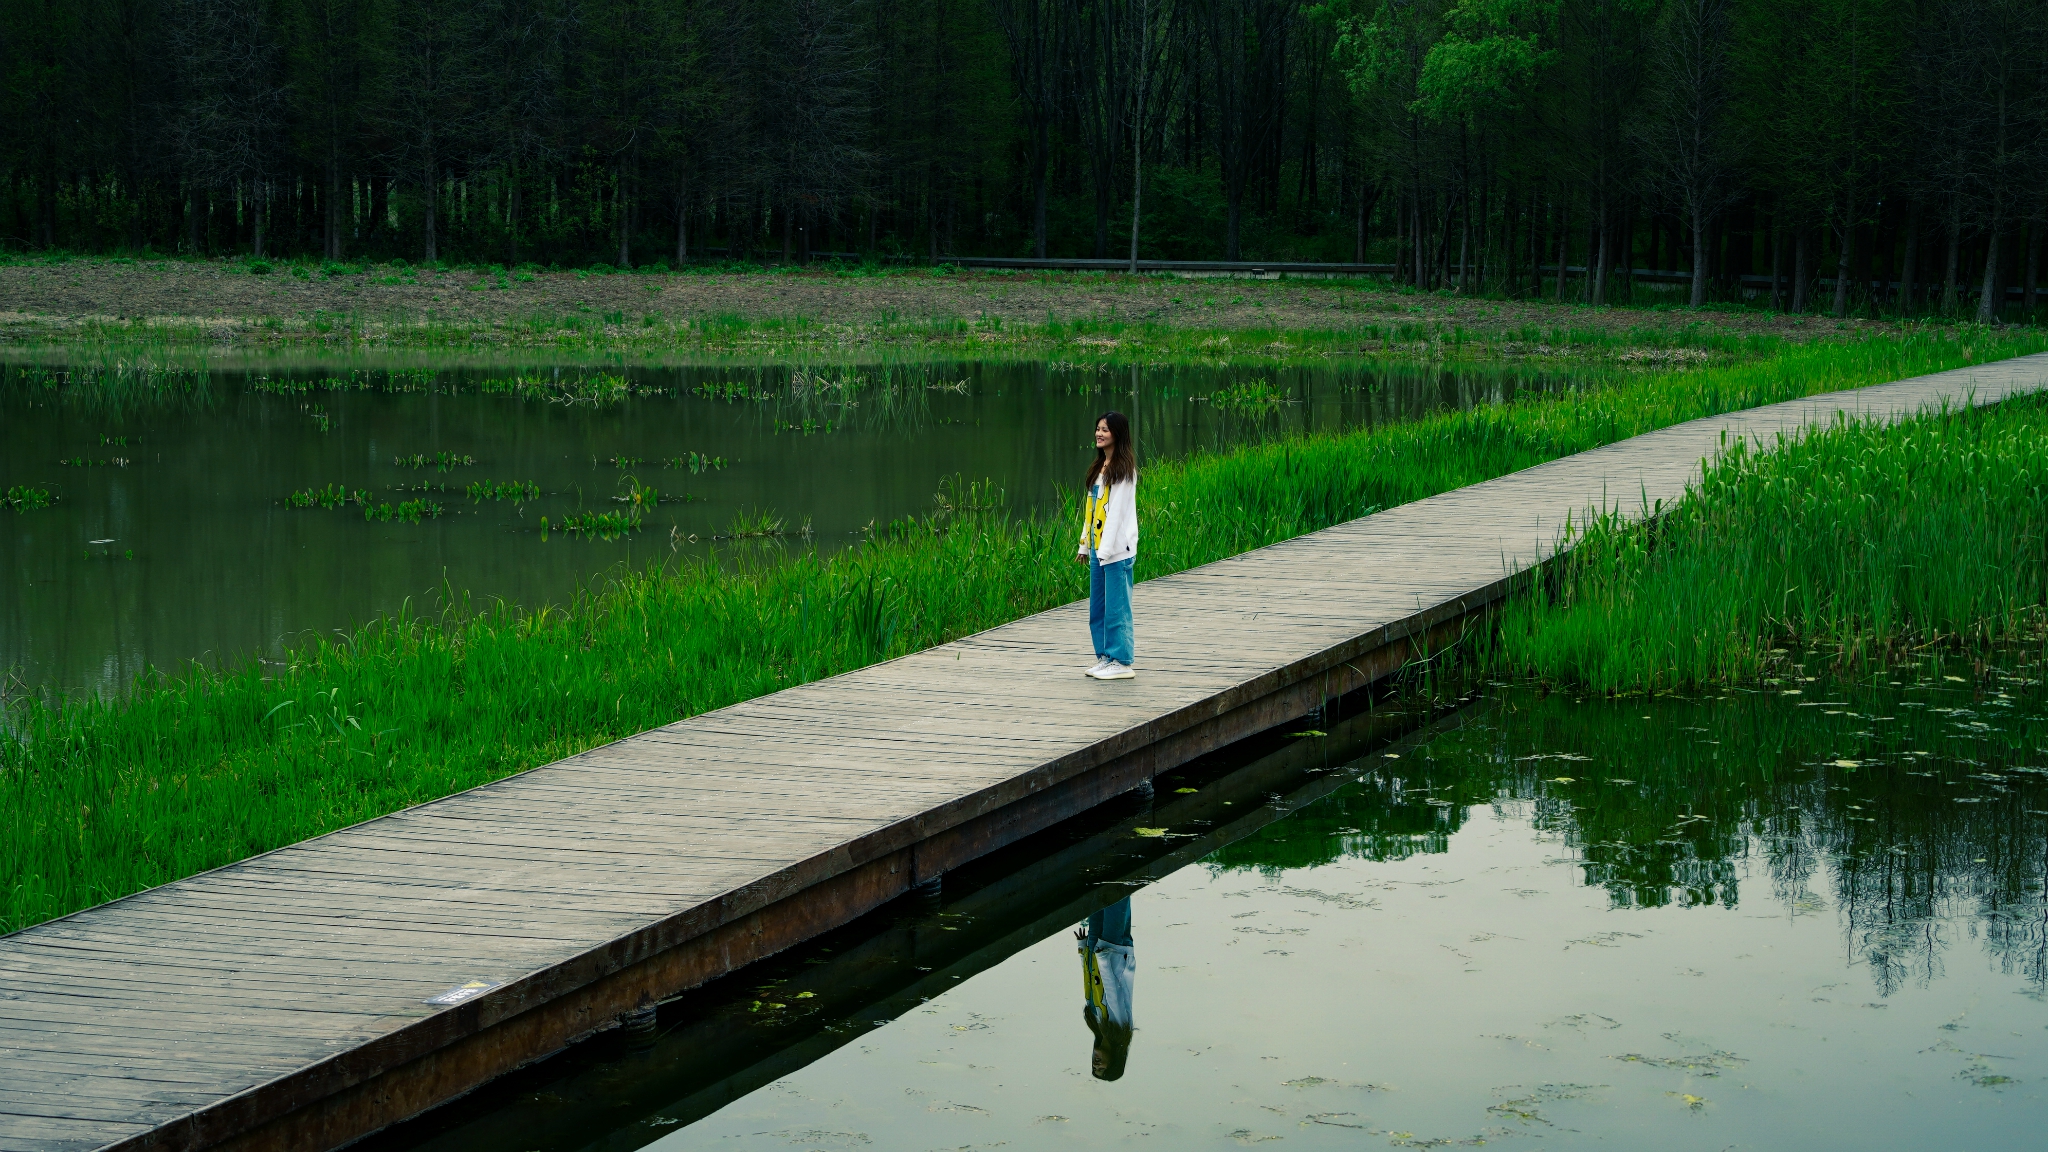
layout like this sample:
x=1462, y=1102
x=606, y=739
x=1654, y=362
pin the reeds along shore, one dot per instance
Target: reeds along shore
x=99, y=798
x=1863, y=541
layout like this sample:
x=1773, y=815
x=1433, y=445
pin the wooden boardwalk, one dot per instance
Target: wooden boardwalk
x=281, y=1002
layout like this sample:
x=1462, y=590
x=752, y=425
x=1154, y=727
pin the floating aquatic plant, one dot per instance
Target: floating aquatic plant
x=27, y=498
x=1258, y=396
x=515, y=490
x=439, y=461
x=360, y=380
x=602, y=524
x=409, y=511
x=753, y=526
x=731, y=390
x=638, y=496
x=593, y=390
x=642, y=496
x=329, y=496
x=696, y=462
x=808, y=426
x=804, y=381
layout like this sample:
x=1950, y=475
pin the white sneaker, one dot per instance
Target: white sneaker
x=1092, y=669
x=1111, y=670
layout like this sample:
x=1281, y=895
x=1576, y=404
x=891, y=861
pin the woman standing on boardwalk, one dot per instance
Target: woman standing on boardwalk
x=1109, y=545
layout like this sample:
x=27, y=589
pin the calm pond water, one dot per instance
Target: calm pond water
x=1805, y=915
x=171, y=539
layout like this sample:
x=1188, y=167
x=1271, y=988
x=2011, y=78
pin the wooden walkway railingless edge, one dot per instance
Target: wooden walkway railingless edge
x=281, y=1002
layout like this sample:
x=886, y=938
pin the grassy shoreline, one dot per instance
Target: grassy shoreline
x=1863, y=540
x=826, y=312
x=1082, y=344
x=102, y=798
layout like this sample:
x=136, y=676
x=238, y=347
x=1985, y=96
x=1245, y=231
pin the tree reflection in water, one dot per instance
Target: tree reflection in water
x=1916, y=809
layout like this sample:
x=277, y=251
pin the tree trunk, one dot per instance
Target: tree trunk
x=1699, y=258
x=1564, y=246
x=1951, y=298
x=2032, y=299
x=622, y=205
x=46, y=205
x=1410, y=257
x=1138, y=123
x=1845, y=247
x=333, y=214
x=1909, y=264
x=1510, y=216
x=1233, y=215
x=1358, y=243
x=1802, y=268
x=1401, y=259
x=1625, y=251
x=1597, y=275
x=1422, y=247
x=1440, y=264
x=429, y=203
x=1137, y=193
x=1104, y=201
x=512, y=206
x=1777, y=264
x=683, y=221
x=1482, y=268
x=1038, y=165
x=1464, y=240
x=1993, y=293
x=256, y=197
x=1860, y=267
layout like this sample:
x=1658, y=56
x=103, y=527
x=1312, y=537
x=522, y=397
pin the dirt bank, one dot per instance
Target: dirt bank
x=225, y=302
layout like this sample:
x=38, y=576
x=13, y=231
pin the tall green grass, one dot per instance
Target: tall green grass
x=1863, y=539
x=99, y=798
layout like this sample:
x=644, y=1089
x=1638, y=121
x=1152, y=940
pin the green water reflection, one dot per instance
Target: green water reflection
x=1810, y=915
x=170, y=539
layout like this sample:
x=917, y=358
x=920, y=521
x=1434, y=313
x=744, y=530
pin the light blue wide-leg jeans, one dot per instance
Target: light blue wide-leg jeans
x=1109, y=608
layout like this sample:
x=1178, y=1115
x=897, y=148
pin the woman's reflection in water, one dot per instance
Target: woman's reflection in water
x=1107, y=965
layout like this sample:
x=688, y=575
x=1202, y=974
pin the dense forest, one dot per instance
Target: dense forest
x=1831, y=154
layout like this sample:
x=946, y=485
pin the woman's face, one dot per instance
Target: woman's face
x=1102, y=437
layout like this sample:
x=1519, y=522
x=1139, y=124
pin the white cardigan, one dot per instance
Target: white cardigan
x=1119, y=524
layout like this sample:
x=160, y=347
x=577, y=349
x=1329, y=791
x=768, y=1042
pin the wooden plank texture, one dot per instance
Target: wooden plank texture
x=251, y=1006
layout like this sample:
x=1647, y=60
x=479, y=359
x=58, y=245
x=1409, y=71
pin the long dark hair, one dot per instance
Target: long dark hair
x=1119, y=462
x=1112, y=1047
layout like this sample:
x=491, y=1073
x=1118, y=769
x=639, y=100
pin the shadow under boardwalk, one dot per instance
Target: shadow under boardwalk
x=284, y=1001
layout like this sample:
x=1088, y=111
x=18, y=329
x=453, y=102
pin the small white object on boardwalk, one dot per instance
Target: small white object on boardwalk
x=236, y=1005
